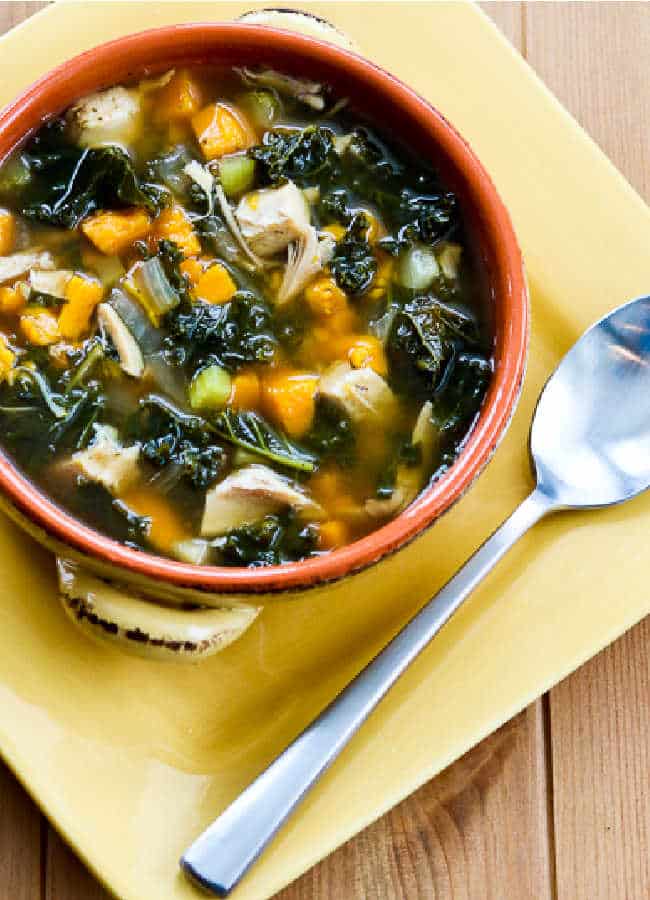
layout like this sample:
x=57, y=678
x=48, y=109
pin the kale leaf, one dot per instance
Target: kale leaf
x=460, y=399
x=271, y=542
x=67, y=183
x=424, y=338
x=332, y=433
x=252, y=432
x=300, y=156
x=353, y=263
x=411, y=203
x=230, y=334
x=39, y=421
x=169, y=170
x=170, y=437
x=171, y=258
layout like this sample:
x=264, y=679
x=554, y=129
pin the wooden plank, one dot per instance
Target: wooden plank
x=600, y=733
x=593, y=56
x=66, y=878
x=16, y=11
x=21, y=834
x=477, y=830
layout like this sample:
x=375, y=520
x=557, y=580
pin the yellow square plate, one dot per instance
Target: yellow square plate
x=132, y=759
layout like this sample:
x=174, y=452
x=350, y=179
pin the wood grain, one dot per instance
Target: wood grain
x=478, y=830
x=22, y=833
x=594, y=58
x=557, y=802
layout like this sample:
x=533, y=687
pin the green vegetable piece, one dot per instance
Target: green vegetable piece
x=261, y=107
x=237, y=174
x=210, y=389
x=354, y=264
x=271, y=542
x=251, y=432
x=418, y=268
x=14, y=175
x=299, y=156
x=94, y=354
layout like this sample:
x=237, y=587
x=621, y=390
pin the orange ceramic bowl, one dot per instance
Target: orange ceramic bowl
x=396, y=109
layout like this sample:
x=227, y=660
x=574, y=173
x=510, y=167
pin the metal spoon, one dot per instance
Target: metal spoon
x=590, y=447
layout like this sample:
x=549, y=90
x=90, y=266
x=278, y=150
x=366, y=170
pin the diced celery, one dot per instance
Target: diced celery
x=262, y=107
x=237, y=174
x=210, y=389
x=14, y=175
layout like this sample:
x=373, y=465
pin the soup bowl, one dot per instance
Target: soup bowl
x=90, y=559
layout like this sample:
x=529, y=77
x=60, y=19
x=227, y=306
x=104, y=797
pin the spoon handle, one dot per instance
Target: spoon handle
x=219, y=858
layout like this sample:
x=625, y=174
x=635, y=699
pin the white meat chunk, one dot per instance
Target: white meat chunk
x=248, y=495
x=19, y=263
x=129, y=352
x=272, y=218
x=106, y=117
x=363, y=394
x=108, y=462
x=305, y=258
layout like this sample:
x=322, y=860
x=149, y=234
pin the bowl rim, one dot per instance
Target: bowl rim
x=34, y=505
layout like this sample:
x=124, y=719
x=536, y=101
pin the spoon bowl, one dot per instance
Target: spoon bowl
x=590, y=438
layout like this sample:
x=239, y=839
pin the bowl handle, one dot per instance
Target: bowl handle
x=116, y=614
x=301, y=22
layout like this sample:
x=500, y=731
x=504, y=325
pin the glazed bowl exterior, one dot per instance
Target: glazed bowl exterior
x=395, y=109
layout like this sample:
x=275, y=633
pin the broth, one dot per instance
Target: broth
x=238, y=326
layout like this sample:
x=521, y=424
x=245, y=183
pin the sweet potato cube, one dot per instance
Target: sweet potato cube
x=166, y=527
x=82, y=295
x=113, y=232
x=11, y=300
x=215, y=285
x=7, y=232
x=179, y=99
x=7, y=358
x=332, y=534
x=288, y=398
x=220, y=129
x=39, y=327
x=245, y=393
x=173, y=225
x=192, y=270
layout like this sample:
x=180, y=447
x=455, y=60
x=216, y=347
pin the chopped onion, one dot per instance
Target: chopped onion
x=169, y=379
x=147, y=282
x=193, y=550
x=134, y=317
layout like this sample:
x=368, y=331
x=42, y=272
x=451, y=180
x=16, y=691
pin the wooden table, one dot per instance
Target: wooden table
x=556, y=804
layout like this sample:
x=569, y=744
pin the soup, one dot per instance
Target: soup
x=238, y=326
